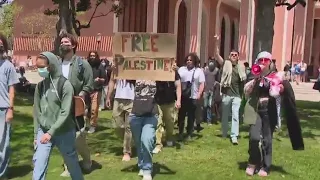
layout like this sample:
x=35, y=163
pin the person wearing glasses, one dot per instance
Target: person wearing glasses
x=233, y=77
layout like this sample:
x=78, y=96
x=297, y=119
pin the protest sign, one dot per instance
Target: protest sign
x=144, y=56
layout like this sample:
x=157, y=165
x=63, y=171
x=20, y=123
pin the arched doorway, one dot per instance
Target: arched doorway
x=233, y=34
x=163, y=16
x=204, y=29
x=222, y=37
x=134, y=16
x=181, y=33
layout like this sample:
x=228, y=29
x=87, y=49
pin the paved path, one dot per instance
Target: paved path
x=303, y=91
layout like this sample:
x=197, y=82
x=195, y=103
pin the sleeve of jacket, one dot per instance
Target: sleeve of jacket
x=66, y=108
x=87, y=78
x=36, y=110
x=293, y=121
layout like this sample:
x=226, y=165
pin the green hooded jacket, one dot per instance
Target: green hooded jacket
x=50, y=114
x=83, y=82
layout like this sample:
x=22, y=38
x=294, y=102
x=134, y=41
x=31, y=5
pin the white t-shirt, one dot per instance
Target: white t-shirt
x=186, y=75
x=124, y=90
x=66, y=68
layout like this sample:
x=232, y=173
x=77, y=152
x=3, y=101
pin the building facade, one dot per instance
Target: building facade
x=196, y=22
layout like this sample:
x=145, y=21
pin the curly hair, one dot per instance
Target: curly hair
x=194, y=57
x=4, y=42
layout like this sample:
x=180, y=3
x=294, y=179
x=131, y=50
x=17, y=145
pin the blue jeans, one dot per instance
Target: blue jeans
x=5, y=130
x=144, y=132
x=66, y=145
x=233, y=104
x=207, y=106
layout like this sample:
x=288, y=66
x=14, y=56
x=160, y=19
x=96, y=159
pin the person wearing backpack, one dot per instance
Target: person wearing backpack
x=53, y=119
x=80, y=75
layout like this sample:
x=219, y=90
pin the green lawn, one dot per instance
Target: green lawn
x=207, y=158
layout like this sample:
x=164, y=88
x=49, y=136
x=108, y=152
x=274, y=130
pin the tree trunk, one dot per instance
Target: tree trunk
x=64, y=25
x=263, y=35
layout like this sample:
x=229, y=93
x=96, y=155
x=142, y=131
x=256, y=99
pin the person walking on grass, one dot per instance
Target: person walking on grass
x=168, y=97
x=99, y=77
x=53, y=118
x=8, y=79
x=80, y=75
x=122, y=106
x=232, y=82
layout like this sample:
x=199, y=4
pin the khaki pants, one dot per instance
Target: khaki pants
x=120, y=113
x=82, y=147
x=167, y=117
x=95, y=97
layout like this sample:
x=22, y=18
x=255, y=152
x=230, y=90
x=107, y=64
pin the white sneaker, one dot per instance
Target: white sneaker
x=87, y=165
x=140, y=173
x=91, y=130
x=65, y=173
x=169, y=143
x=147, y=177
x=156, y=150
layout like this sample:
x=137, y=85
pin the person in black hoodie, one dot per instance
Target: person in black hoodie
x=99, y=77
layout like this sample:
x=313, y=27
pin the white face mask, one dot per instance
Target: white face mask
x=103, y=64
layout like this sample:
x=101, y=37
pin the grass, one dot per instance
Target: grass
x=207, y=158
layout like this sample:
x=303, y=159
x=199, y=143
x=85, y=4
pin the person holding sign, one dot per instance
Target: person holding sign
x=143, y=122
x=192, y=84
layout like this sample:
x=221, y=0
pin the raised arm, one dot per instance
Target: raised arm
x=217, y=51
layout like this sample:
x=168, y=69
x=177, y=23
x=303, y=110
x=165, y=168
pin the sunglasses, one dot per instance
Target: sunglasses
x=189, y=60
x=264, y=60
x=234, y=54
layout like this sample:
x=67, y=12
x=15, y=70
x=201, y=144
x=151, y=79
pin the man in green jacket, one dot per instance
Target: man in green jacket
x=80, y=75
x=53, y=118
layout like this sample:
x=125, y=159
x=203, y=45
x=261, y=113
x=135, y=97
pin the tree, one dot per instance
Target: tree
x=37, y=24
x=265, y=16
x=67, y=13
x=9, y=13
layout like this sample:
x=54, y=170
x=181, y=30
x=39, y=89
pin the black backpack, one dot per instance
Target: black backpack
x=59, y=87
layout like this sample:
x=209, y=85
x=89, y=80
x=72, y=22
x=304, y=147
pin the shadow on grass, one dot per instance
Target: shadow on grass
x=157, y=169
x=19, y=171
x=274, y=168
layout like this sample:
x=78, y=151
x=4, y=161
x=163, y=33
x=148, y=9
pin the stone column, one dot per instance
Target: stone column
x=195, y=26
x=152, y=16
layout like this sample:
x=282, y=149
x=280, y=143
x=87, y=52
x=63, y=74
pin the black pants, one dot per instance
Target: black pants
x=188, y=107
x=262, y=130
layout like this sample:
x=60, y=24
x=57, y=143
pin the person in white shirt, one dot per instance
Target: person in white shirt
x=192, y=81
x=122, y=106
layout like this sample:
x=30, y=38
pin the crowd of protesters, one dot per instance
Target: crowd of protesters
x=142, y=110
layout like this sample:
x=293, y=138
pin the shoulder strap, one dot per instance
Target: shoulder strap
x=60, y=85
x=80, y=65
x=40, y=88
x=193, y=75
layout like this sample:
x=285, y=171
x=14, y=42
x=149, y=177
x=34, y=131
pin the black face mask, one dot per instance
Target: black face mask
x=94, y=62
x=65, y=49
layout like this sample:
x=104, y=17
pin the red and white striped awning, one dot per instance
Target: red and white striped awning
x=85, y=44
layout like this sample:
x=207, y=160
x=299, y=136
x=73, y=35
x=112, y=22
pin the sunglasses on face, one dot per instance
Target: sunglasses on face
x=234, y=55
x=189, y=60
x=263, y=60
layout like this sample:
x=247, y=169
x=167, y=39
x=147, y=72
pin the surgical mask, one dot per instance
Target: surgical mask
x=103, y=64
x=43, y=72
x=65, y=49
